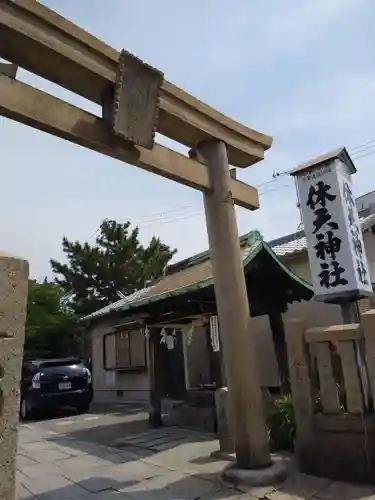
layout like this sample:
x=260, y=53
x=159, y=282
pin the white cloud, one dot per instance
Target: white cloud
x=264, y=33
x=305, y=21
x=339, y=102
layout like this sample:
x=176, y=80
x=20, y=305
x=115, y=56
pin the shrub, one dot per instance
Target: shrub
x=281, y=423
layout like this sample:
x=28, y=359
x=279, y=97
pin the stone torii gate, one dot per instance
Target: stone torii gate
x=136, y=102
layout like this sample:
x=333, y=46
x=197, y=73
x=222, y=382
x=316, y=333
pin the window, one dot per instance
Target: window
x=124, y=350
x=109, y=351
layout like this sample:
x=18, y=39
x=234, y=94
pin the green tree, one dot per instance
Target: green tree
x=50, y=323
x=117, y=262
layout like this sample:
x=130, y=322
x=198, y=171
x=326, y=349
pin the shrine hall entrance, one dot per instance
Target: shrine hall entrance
x=173, y=361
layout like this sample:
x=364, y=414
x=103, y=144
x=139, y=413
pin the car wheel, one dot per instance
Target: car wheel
x=83, y=408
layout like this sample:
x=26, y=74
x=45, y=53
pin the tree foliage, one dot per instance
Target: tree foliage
x=50, y=323
x=117, y=262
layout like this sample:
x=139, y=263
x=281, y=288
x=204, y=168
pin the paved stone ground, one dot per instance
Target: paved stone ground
x=103, y=424
x=54, y=462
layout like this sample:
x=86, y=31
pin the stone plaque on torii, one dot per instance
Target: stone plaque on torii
x=136, y=102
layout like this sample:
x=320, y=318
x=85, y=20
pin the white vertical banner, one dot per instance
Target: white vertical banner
x=188, y=334
x=146, y=332
x=337, y=256
x=214, y=333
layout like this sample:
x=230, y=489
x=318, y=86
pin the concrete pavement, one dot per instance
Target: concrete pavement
x=103, y=424
x=63, y=462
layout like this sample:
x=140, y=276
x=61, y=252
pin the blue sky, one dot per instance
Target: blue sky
x=302, y=71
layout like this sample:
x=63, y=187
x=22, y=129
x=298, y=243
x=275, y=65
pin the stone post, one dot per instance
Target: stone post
x=157, y=380
x=13, y=299
x=226, y=444
x=303, y=395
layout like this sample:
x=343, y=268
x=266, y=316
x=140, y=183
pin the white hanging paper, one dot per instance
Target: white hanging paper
x=189, y=334
x=167, y=338
x=214, y=333
x=170, y=342
x=163, y=334
x=146, y=332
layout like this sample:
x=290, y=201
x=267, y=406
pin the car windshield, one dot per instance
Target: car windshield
x=59, y=362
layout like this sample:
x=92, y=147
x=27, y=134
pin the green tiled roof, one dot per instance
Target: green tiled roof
x=191, y=275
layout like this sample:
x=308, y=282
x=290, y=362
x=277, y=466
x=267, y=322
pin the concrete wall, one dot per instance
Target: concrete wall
x=313, y=312
x=113, y=385
x=198, y=356
x=369, y=240
x=268, y=372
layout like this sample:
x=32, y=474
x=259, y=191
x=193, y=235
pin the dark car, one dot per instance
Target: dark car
x=54, y=383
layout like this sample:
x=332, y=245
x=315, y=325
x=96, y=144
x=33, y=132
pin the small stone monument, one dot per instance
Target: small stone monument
x=226, y=444
x=13, y=300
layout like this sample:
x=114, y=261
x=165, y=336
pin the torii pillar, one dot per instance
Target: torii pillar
x=237, y=337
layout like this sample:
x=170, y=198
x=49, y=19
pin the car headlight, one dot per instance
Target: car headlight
x=88, y=375
x=35, y=382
